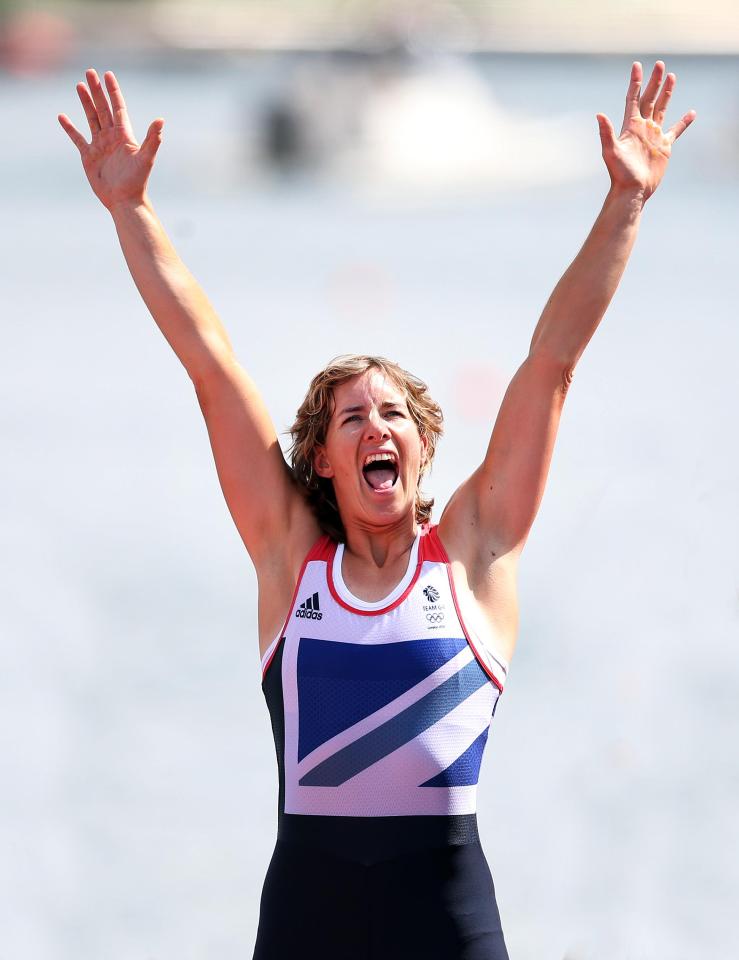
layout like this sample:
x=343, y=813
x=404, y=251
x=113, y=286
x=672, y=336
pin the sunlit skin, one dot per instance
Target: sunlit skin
x=117, y=167
x=379, y=527
x=638, y=157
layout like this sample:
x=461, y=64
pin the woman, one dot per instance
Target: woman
x=385, y=640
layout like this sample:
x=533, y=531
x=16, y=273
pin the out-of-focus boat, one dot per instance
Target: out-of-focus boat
x=419, y=125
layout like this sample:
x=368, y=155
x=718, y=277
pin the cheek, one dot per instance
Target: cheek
x=345, y=460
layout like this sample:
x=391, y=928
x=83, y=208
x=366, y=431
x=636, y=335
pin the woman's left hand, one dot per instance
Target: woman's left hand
x=637, y=159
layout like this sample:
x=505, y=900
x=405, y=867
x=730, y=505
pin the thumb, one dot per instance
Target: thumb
x=607, y=134
x=153, y=138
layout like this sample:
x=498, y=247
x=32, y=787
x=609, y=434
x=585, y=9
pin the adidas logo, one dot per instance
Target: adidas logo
x=309, y=609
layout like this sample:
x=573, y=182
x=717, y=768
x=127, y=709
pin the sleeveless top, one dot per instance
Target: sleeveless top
x=379, y=709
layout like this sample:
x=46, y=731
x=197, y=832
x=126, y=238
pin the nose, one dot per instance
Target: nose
x=377, y=427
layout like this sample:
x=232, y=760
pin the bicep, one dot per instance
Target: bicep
x=501, y=499
x=257, y=482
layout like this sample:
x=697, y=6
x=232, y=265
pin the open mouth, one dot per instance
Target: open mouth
x=381, y=474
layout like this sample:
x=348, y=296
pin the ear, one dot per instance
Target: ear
x=321, y=464
x=424, y=451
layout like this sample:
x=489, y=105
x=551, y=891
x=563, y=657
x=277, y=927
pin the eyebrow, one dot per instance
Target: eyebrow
x=356, y=409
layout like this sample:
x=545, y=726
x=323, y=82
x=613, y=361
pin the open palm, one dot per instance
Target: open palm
x=638, y=158
x=116, y=165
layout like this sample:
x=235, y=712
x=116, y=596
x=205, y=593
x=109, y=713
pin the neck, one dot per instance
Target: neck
x=380, y=546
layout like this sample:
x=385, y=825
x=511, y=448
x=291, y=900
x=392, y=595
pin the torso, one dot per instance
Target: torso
x=381, y=696
x=487, y=597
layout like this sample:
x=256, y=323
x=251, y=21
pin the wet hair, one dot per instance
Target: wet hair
x=311, y=427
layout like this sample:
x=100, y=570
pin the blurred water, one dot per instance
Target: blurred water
x=137, y=764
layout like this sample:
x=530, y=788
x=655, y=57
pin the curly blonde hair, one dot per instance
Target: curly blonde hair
x=311, y=426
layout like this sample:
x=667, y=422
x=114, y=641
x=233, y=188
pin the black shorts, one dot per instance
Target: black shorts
x=379, y=888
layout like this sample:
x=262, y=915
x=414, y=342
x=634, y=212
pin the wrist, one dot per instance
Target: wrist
x=630, y=198
x=129, y=205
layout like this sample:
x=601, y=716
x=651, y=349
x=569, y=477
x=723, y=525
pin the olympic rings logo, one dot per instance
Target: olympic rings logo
x=434, y=617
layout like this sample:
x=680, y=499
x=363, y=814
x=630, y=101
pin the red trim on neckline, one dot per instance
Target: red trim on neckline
x=373, y=613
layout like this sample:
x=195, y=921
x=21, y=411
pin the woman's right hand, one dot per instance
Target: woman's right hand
x=116, y=166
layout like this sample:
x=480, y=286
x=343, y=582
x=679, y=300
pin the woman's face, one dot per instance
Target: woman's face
x=370, y=416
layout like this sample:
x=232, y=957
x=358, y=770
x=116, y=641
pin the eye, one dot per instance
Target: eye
x=354, y=416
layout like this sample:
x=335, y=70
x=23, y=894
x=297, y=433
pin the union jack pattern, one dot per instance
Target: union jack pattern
x=386, y=711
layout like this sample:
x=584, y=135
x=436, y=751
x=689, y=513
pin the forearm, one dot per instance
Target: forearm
x=174, y=298
x=581, y=297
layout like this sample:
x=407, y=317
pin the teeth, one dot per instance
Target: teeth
x=379, y=456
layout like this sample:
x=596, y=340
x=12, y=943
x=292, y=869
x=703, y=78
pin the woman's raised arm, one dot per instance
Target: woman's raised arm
x=501, y=498
x=118, y=170
x=256, y=481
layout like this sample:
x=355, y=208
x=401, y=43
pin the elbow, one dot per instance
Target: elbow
x=557, y=369
x=568, y=373
x=210, y=372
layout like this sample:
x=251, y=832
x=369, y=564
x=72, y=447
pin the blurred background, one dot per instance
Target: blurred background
x=409, y=179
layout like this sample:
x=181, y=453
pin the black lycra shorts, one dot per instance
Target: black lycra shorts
x=379, y=888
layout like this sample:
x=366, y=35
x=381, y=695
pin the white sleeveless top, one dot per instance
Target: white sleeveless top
x=386, y=704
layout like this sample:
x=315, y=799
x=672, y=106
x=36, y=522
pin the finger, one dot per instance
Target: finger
x=607, y=133
x=632, y=94
x=153, y=139
x=89, y=107
x=120, y=113
x=646, y=105
x=101, y=104
x=74, y=135
x=681, y=126
x=664, y=98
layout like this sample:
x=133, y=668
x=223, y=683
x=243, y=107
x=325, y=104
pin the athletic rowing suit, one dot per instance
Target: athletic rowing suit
x=380, y=713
